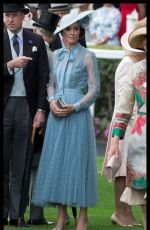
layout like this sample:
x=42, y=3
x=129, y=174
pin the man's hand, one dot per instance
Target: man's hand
x=39, y=119
x=19, y=62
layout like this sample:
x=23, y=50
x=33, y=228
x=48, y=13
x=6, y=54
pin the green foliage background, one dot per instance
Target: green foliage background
x=105, y=103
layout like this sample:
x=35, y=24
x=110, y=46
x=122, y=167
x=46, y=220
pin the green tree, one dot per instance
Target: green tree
x=105, y=103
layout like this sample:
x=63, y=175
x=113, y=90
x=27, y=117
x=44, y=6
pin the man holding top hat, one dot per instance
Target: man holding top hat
x=26, y=74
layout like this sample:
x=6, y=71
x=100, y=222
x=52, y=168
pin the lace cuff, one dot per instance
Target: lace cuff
x=77, y=106
x=50, y=98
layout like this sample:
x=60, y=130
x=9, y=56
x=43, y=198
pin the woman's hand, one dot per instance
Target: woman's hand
x=53, y=106
x=57, y=111
x=114, y=148
x=67, y=109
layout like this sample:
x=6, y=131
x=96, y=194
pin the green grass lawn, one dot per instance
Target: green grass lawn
x=99, y=217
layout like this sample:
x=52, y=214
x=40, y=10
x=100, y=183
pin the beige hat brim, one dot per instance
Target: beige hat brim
x=125, y=43
x=136, y=37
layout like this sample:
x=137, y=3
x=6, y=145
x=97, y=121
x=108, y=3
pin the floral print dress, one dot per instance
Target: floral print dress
x=134, y=90
x=106, y=22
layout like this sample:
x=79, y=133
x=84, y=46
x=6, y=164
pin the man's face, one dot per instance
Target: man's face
x=13, y=21
x=61, y=13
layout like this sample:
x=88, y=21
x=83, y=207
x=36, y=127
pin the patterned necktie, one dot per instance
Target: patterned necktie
x=16, y=44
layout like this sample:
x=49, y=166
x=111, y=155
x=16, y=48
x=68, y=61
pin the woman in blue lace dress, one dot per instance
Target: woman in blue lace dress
x=67, y=173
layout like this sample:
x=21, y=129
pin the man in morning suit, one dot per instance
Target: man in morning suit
x=26, y=73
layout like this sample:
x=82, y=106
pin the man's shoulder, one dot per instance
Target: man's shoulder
x=31, y=34
x=5, y=34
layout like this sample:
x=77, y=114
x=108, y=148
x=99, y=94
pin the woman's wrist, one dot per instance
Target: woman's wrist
x=116, y=139
x=77, y=106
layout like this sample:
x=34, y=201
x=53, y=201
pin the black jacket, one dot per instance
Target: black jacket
x=35, y=74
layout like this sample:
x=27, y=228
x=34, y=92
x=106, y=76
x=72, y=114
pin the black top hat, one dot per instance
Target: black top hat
x=43, y=6
x=32, y=5
x=8, y=7
x=47, y=21
x=59, y=6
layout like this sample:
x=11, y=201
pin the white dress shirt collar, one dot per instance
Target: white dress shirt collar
x=20, y=34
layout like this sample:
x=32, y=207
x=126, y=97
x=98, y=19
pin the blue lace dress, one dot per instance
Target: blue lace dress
x=67, y=172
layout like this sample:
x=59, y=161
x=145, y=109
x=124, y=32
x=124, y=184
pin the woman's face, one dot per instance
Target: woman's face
x=71, y=34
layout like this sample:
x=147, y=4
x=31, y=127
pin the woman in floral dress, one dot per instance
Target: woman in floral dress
x=123, y=214
x=134, y=91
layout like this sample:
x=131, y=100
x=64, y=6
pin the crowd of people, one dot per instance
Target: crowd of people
x=50, y=81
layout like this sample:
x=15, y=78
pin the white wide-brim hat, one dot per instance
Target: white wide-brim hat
x=125, y=43
x=71, y=18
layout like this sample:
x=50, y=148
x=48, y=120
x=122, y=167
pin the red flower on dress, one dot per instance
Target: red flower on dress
x=143, y=91
x=141, y=120
x=130, y=173
x=140, y=83
x=140, y=79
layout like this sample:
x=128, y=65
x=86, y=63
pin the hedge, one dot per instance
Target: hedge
x=105, y=103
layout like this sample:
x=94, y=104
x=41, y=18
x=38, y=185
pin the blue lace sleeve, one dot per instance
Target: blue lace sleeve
x=93, y=83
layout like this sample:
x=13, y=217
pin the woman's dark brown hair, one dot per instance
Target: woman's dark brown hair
x=82, y=33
